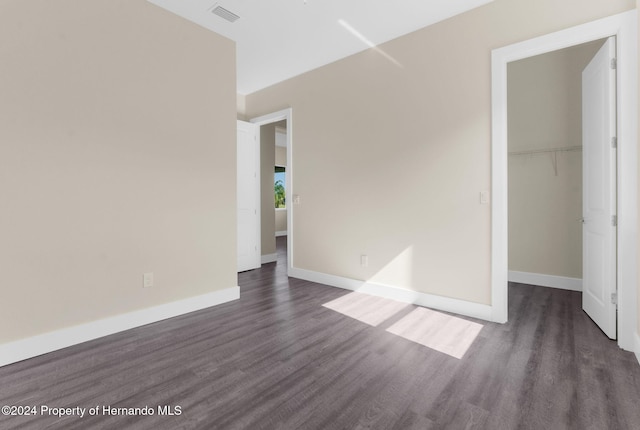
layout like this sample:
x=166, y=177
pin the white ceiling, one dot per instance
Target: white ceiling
x=279, y=39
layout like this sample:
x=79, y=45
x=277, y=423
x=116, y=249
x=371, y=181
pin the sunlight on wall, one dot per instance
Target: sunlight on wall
x=435, y=330
x=367, y=42
x=398, y=272
x=445, y=333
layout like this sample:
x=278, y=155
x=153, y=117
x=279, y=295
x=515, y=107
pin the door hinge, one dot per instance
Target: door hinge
x=614, y=298
x=614, y=142
x=614, y=63
x=614, y=220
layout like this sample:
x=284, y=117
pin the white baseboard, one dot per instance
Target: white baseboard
x=269, y=258
x=561, y=282
x=281, y=233
x=37, y=345
x=461, y=307
x=637, y=346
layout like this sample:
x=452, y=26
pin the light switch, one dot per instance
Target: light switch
x=364, y=260
x=484, y=197
x=147, y=280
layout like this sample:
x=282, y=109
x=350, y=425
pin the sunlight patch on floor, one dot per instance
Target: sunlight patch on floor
x=365, y=308
x=445, y=333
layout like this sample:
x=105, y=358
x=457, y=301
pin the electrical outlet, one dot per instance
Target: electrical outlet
x=147, y=280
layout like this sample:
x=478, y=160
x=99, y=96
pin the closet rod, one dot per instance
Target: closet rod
x=547, y=150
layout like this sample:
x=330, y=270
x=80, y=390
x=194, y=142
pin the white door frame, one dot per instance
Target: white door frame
x=624, y=27
x=285, y=114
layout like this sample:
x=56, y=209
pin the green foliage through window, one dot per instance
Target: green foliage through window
x=278, y=188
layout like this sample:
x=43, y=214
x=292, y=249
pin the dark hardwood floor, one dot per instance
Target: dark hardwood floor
x=278, y=359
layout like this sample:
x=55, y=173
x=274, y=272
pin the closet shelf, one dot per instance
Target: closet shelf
x=553, y=151
x=547, y=150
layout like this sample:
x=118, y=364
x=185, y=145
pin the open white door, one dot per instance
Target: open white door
x=248, y=196
x=599, y=195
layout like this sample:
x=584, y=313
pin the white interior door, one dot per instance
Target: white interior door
x=248, y=198
x=599, y=194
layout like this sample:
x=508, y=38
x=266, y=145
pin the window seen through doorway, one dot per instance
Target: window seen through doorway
x=279, y=192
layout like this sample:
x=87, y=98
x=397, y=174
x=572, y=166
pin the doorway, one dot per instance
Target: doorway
x=286, y=117
x=560, y=208
x=624, y=27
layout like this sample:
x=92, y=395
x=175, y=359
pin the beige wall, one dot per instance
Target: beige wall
x=241, y=107
x=267, y=163
x=281, y=220
x=408, y=151
x=545, y=189
x=117, y=127
x=638, y=293
x=281, y=156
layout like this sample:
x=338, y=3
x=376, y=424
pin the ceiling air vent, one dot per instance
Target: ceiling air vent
x=225, y=14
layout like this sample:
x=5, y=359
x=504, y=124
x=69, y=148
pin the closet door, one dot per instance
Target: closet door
x=599, y=261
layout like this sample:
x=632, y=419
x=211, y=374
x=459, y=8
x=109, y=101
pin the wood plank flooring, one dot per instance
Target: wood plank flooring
x=278, y=359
